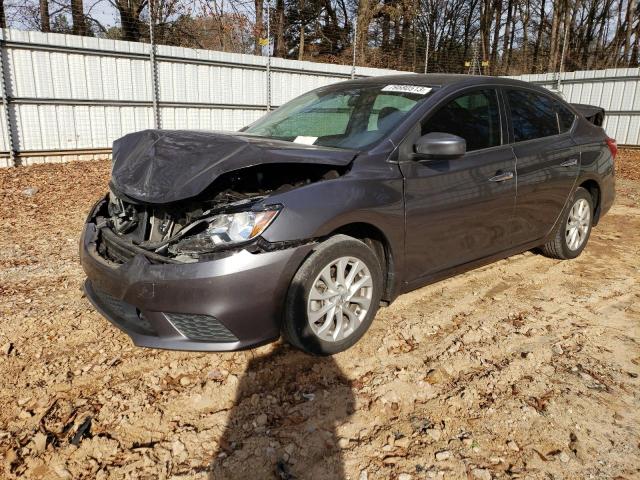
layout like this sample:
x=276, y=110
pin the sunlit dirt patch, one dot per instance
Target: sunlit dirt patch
x=527, y=368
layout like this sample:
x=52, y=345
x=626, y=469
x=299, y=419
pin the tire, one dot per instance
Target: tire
x=305, y=326
x=562, y=246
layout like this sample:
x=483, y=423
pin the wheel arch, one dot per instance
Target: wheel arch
x=381, y=246
x=592, y=186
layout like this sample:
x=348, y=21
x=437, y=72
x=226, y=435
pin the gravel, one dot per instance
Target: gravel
x=464, y=366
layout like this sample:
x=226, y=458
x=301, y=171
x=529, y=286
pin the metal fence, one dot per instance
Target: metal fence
x=70, y=96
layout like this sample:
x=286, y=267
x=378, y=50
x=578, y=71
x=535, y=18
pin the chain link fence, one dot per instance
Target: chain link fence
x=486, y=37
x=491, y=37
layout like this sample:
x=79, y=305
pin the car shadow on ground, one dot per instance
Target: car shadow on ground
x=283, y=422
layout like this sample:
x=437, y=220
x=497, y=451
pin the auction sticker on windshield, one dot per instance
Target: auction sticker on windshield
x=417, y=89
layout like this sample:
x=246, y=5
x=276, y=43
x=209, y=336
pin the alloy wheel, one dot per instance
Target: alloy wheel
x=578, y=224
x=339, y=299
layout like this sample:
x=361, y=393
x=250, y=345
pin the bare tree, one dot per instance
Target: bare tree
x=45, y=21
x=130, y=11
x=77, y=16
x=259, y=26
x=3, y=20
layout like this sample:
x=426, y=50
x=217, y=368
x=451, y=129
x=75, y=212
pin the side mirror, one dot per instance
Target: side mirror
x=440, y=145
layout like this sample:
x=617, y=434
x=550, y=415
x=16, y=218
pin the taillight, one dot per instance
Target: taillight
x=613, y=146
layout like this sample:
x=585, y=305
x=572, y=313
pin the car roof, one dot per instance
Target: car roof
x=440, y=80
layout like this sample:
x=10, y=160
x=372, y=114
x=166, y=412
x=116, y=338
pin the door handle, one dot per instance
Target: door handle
x=569, y=163
x=501, y=177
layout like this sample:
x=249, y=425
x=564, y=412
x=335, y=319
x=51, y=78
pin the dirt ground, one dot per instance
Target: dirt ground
x=527, y=368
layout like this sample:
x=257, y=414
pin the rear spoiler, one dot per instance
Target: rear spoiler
x=592, y=113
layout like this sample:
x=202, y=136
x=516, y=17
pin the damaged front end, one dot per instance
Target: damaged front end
x=174, y=250
x=228, y=215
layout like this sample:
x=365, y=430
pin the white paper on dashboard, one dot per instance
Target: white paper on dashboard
x=305, y=140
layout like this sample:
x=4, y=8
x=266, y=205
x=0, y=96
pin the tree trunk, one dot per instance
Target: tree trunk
x=553, y=42
x=513, y=33
x=506, y=50
x=279, y=48
x=588, y=36
x=631, y=8
x=363, y=21
x=525, y=38
x=467, y=30
x=130, y=22
x=385, y=27
x=45, y=21
x=406, y=33
x=485, y=26
x=77, y=16
x=497, y=6
x=536, y=48
x=301, y=44
x=258, y=34
x=635, y=51
x=602, y=35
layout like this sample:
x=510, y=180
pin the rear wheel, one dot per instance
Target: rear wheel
x=574, y=230
x=333, y=297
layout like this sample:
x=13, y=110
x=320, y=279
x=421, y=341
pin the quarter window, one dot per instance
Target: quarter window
x=565, y=118
x=532, y=115
x=474, y=116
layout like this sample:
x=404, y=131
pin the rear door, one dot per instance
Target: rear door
x=547, y=161
x=459, y=210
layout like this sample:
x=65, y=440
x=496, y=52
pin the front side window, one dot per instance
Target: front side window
x=532, y=115
x=351, y=117
x=473, y=116
x=386, y=107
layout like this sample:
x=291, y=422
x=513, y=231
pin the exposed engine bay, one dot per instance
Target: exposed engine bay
x=229, y=214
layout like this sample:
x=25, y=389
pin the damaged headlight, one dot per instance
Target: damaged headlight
x=227, y=229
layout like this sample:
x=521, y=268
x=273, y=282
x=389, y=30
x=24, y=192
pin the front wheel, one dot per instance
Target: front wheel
x=574, y=229
x=333, y=297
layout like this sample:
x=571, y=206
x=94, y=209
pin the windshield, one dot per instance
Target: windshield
x=349, y=118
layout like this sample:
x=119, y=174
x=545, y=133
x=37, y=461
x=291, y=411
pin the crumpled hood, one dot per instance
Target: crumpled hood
x=163, y=166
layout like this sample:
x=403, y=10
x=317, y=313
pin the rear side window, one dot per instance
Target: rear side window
x=565, y=118
x=473, y=116
x=532, y=115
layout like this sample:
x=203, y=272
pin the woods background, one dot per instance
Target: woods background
x=497, y=37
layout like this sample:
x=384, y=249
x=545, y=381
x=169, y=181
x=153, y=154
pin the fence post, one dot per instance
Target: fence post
x=5, y=101
x=268, y=55
x=564, y=49
x=426, y=52
x=355, y=45
x=154, y=67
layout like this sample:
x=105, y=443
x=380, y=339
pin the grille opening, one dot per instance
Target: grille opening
x=204, y=328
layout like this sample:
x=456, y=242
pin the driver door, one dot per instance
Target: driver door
x=458, y=210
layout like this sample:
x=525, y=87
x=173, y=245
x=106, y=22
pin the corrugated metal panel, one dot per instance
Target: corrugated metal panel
x=68, y=127
x=52, y=73
x=68, y=92
x=3, y=135
x=208, y=119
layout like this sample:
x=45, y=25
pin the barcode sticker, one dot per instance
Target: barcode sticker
x=417, y=89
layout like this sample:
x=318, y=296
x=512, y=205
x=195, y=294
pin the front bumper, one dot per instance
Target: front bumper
x=227, y=304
